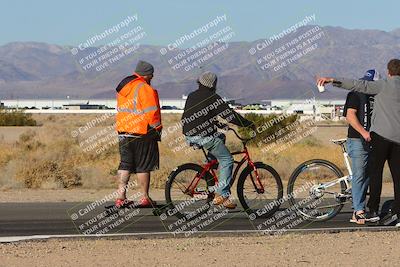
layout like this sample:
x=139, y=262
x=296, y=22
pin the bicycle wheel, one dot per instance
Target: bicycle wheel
x=314, y=190
x=184, y=198
x=255, y=202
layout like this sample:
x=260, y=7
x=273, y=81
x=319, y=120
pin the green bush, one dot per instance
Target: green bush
x=268, y=127
x=16, y=118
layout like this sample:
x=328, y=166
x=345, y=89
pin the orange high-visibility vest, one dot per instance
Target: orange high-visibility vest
x=138, y=108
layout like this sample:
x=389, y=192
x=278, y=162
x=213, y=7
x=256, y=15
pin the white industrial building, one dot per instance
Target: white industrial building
x=319, y=109
x=55, y=103
x=63, y=103
x=170, y=102
x=284, y=103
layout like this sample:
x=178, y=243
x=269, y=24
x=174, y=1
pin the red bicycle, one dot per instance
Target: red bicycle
x=190, y=187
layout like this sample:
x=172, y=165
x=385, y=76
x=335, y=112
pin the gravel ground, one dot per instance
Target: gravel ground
x=341, y=249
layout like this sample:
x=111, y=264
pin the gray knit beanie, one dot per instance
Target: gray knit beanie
x=208, y=79
x=144, y=68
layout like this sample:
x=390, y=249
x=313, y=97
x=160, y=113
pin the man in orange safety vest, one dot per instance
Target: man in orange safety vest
x=139, y=129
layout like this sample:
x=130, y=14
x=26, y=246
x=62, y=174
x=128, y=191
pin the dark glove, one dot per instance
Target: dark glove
x=154, y=134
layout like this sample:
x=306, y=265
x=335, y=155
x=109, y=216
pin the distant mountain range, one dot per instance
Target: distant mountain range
x=40, y=70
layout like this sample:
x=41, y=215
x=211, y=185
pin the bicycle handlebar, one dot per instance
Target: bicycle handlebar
x=226, y=126
x=245, y=140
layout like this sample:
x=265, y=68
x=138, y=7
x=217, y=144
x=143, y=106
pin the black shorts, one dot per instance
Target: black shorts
x=138, y=155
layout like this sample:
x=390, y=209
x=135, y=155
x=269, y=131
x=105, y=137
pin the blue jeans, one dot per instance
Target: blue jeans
x=216, y=146
x=360, y=182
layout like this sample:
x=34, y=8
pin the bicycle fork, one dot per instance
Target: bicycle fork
x=260, y=188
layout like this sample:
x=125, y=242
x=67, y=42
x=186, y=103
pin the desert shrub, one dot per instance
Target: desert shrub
x=16, y=118
x=5, y=154
x=268, y=125
x=28, y=141
x=51, y=165
x=48, y=171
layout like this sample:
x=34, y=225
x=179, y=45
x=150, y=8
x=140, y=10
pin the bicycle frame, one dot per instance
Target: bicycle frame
x=239, y=164
x=210, y=163
x=347, y=178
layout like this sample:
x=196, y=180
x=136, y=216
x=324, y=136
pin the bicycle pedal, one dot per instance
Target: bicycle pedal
x=340, y=199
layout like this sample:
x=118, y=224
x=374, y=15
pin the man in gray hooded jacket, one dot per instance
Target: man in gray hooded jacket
x=385, y=131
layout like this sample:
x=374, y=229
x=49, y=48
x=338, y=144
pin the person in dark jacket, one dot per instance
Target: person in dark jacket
x=200, y=126
x=358, y=111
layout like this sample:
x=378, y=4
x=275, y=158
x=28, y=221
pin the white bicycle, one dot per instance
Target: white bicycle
x=318, y=189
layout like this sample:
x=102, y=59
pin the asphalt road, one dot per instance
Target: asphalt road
x=26, y=219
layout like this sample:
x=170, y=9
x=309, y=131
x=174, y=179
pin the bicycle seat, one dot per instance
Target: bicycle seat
x=339, y=141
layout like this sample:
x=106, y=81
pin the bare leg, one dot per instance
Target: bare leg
x=144, y=183
x=123, y=182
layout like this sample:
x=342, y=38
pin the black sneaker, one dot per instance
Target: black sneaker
x=389, y=220
x=372, y=216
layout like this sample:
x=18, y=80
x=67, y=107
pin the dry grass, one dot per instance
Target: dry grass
x=49, y=157
x=5, y=153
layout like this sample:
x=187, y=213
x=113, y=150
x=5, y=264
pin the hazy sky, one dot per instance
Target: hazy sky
x=74, y=21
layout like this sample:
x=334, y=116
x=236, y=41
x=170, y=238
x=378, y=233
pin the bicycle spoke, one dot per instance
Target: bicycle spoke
x=307, y=182
x=185, y=186
x=183, y=191
x=251, y=195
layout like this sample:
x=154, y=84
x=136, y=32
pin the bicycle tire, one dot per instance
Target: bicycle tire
x=298, y=171
x=170, y=202
x=253, y=213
